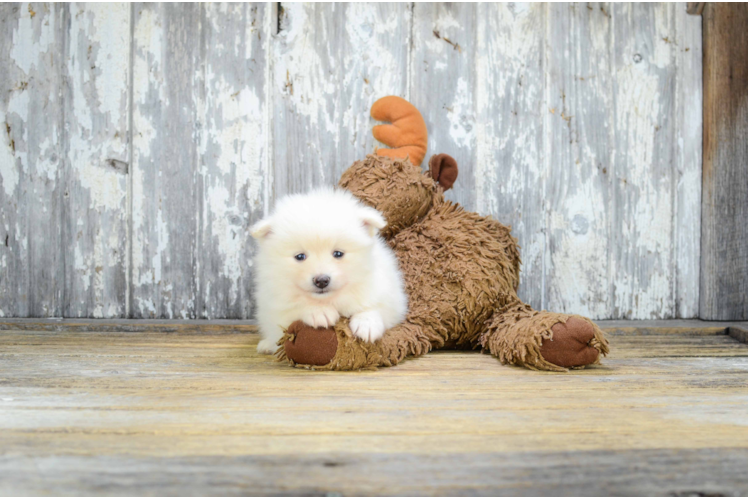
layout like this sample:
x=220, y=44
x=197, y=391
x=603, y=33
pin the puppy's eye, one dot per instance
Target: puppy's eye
x=338, y=254
x=300, y=257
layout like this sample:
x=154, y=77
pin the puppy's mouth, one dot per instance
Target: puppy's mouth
x=316, y=292
x=324, y=293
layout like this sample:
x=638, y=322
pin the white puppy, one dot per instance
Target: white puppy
x=320, y=257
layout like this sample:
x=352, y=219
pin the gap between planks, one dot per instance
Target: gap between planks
x=736, y=329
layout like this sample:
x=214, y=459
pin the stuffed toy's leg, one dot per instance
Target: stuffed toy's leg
x=337, y=348
x=517, y=335
x=543, y=340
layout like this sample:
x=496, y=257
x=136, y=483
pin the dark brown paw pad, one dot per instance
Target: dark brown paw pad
x=570, y=345
x=309, y=345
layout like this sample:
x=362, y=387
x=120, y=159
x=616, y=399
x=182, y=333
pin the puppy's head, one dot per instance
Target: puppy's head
x=318, y=243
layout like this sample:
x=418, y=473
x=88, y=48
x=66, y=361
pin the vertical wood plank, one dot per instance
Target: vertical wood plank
x=167, y=79
x=442, y=85
x=688, y=157
x=643, y=62
x=579, y=141
x=694, y=8
x=31, y=152
x=724, y=207
x=234, y=155
x=509, y=167
x=96, y=105
x=331, y=62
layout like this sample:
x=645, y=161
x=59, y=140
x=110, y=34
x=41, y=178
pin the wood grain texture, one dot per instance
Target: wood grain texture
x=97, y=111
x=695, y=8
x=165, y=131
x=739, y=333
x=619, y=163
x=579, y=131
x=31, y=159
x=643, y=60
x=664, y=472
x=166, y=127
x=330, y=63
x=724, y=207
x=200, y=412
x=509, y=131
x=200, y=168
x=442, y=86
x=234, y=157
x=688, y=104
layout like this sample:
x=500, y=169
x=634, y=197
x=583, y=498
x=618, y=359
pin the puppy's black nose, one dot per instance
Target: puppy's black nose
x=321, y=281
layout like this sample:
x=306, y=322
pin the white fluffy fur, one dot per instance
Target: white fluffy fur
x=366, y=284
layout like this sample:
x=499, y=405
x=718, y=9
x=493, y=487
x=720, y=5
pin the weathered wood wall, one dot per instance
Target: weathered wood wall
x=724, y=244
x=141, y=141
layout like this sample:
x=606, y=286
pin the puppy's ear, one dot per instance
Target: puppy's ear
x=372, y=220
x=261, y=230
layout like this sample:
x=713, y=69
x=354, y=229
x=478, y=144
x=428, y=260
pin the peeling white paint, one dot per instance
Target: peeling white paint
x=83, y=267
x=17, y=111
x=146, y=78
x=23, y=53
x=642, y=275
x=106, y=188
x=230, y=239
x=9, y=174
x=146, y=307
x=578, y=269
x=301, y=74
x=31, y=150
x=555, y=127
x=240, y=150
x=509, y=161
x=330, y=63
x=461, y=115
x=96, y=114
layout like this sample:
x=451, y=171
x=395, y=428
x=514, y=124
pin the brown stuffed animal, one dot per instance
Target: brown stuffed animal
x=461, y=271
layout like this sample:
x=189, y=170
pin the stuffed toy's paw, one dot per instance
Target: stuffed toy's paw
x=338, y=348
x=543, y=340
x=306, y=345
x=573, y=344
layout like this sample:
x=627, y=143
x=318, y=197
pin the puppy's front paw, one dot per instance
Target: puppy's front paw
x=267, y=346
x=321, y=317
x=367, y=325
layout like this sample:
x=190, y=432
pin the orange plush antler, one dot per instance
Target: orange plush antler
x=407, y=134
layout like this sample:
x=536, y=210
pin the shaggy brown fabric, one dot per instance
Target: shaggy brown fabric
x=388, y=184
x=517, y=335
x=351, y=353
x=461, y=270
x=461, y=273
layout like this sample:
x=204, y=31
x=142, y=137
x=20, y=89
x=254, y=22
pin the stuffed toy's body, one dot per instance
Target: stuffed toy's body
x=461, y=271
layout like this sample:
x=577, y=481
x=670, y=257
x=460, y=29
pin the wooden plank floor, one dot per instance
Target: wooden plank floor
x=160, y=409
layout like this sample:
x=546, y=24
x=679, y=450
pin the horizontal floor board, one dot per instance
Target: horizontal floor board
x=655, y=472
x=195, y=410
